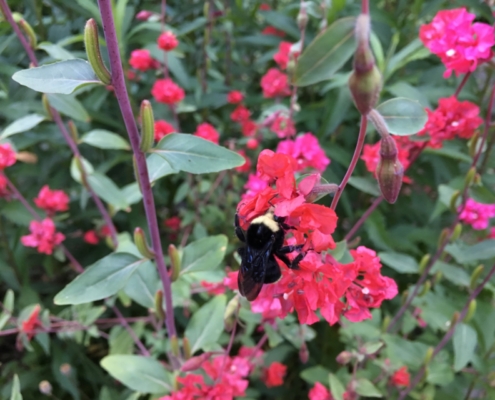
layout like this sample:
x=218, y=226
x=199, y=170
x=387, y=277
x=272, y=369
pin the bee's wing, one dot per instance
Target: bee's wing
x=248, y=287
x=252, y=273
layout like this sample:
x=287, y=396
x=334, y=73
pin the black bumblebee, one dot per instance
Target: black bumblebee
x=264, y=240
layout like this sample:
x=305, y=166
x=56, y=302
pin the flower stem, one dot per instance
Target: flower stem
x=120, y=90
x=365, y=7
x=355, y=158
x=132, y=334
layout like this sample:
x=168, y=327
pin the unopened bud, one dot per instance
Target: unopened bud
x=344, y=357
x=389, y=171
x=454, y=200
x=175, y=262
x=469, y=179
x=160, y=313
x=45, y=387
x=302, y=17
x=455, y=319
x=195, y=363
x=144, y=15
x=456, y=233
x=26, y=157
x=365, y=88
x=477, y=180
x=142, y=244
x=473, y=144
x=304, y=353
x=28, y=30
x=147, y=126
x=443, y=237
x=82, y=171
x=428, y=356
x=47, y=107
x=291, y=68
x=319, y=191
x=363, y=57
x=378, y=122
x=92, y=45
x=174, y=345
x=438, y=276
x=73, y=130
x=423, y=263
x=385, y=323
x=186, y=348
x=404, y=297
x=471, y=311
x=475, y=276
x=65, y=369
x=229, y=316
x=425, y=289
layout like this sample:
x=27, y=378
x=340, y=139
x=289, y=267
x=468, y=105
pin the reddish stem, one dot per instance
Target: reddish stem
x=365, y=7
x=363, y=218
x=461, y=85
x=132, y=334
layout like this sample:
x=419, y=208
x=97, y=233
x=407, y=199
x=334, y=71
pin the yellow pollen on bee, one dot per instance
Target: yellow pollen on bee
x=268, y=220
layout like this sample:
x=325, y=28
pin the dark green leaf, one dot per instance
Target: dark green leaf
x=402, y=263
x=105, y=140
x=336, y=387
x=102, y=279
x=22, y=125
x=365, y=388
x=61, y=77
x=327, y=53
x=282, y=22
x=464, y=253
x=315, y=374
x=8, y=307
x=204, y=254
x=365, y=184
x=464, y=342
x=143, y=374
x=403, y=116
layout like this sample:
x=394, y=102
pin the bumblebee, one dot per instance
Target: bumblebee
x=264, y=241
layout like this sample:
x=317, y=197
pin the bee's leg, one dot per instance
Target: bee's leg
x=281, y=222
x=294, y=264
x=282, y=257
x=272, y=273
x=290, y=249
x=238, y=231
x=240, y=251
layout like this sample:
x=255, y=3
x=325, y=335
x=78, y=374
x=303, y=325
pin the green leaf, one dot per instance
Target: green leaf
x=196, y=155
x=102, y=279
x=55, y=51
x=143, y=285
x=143, y=374
x=365, y=388
x=74, y=170
x=327, y=53
x=282, y=22
x=8, y=307
x=464, y=253
x=413, y=51
x=464, y=342
x=315, y=374
x=158, y=167
x=22, y=125
x=105, y=188
x=204, y=254
x=206, y=325
x=15, y=394
x=365, y=184
x=402, y=263
x=454, y=274
x=69, y=106
x=336, y=387
x=105, y=140
x=403, y=116
x=61, y=77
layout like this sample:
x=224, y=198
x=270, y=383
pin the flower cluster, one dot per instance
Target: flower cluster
x=321, y=282
x=275, y=84
x=7, y=156
x=306, y=150
x=167, y=91
x=93, y=236
x=460, y=43
x=32, y=322
x=282, y=125
x=163, y=128
x=142, y=61
x=451, y=118
x=208, y=132
x=52, y=201
x=477, y=214
x=400, y=378
x=167, y=41
x=44, y=236
x=319, y=392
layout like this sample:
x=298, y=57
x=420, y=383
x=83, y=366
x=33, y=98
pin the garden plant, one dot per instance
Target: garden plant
x=248, y=199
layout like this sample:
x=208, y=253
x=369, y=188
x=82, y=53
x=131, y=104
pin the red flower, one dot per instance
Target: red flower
x=249, y=128
x=91, y=237
x=144, y=15
x=4, y=191
x=213, y=288
x=7, y=156
x=306, y=150
x=105, y=231
x=208, y=132
x=43, y=236
x=400, y=377
x=274, y=374
x=274, y=83
x=172, y=223
x=451, y=118
x=52, y=200
x=162, y=128
x=264, y=7
x=167, y=91
x=282, y=56
x=142, y=60
x=167, y=41
x=252, y=144
x=271, y=30
x=460, y=43
x=283, y=126
x=29, y=325
x=247, y=164
x=234, y=97
x=240, y=114
x=319, y=392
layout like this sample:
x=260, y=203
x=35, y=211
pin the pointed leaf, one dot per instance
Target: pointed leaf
x=206, y=325
x=143, y=285
x=69, y=106
x=336, y=387
x=327, y=53
x=464, y=342
x=403, y=116
x=204, y=254
x=158, y=167
x=105, y=140
x=196, y=155
x=105, y=188
x=8, y=307
x=143, y=374
x=365, y=388
x=102, y=279
x=15, y=394
x=55, y=51
x=22, y=125
x=61, y=77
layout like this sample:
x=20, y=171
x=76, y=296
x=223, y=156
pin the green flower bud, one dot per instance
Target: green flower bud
x=469, y=179
x=428, y=356
x=73, y=130
x=423, y=263
x=93, y=52
x=28, y=30
x=175, y=262
x=453, y=201
x=365, y=88
x=147, y=126
x=389, y=171
x=229, y=316
x=46, y=106
x=160, y=312
x=186, y=348
x=455, y=319
x=456, y=233
x=174, y=346
x=302, y=17
x=471, y=310
x=475, y=276
x=426, y=288
x=142, y=245
x=385, y=323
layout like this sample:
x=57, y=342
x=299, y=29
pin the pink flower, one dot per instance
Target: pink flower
x=274, y=83
x=252, y=144
x=319, y=392
x=235, y=97
x=4, y=191
x=249, y=127
x=52, y=201
x=274, y=374
x=43, y=236
x=306, y=150
x=254, y=185
x=282, y=56
x=240, y=114
x=173, y=223
x=91, y=237
x=144, y=15
x=400, y=377
x=271, y=30
x=477, y=214
x=208, y=132
x=167, y=41
x=7, y=156
x=142, y=60
x=29, y=325
x=460, y=43
x=167, y=91
x=491, y=235
x=162, y=128
x=283, y=126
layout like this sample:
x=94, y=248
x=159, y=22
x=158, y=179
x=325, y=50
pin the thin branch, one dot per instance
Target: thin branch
x=132, y=334
x=461, y=85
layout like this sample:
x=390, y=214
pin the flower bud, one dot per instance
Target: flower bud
x=92, y=45
x=46, y=106
x=319, y=191
x=175, y=262
x=456, y=233
x=389, y=171
x=142, y=245
x=28, y=30
x=428, y=356
x=229, y=316
x=469, y=179
x=385, y=323
x=65, y=369
x=304, y=353
x=82, y=171
x=473, y=144
x=45, y=387
x=160, y=312
x=174, y=345
x=26, y=157
x=438, y=276
x=475, y=276
x=73, y=131
x=144, y=15
x=443, y=237
x=404, y=297
x=423, y=263
x=302, y=17
x=363, y=57
x=291, y=68
x=425, y=289
x=378, y=122
x=186, y=348
x=195, y=363
x=455, y=319
x=471, y=311
x=344, y=357
x=147, y=126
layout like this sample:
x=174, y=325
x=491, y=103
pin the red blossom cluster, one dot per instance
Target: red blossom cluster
x=162, y=129
x=460, y=43
x=93, y=237
x=477, y=214
x=282, y=125
x=7, y=159
x=44, y=236
x=52, y=201
x=167, y=91
x=321, y=283
x=450, y=119
x=142, y=61
x=320, y=392
x=275, y=84
x=167, y=41
x=400, y=378
x=31, y=323
x=208, y=132
x=282, y=56
x=235, y=97
x=306, y=150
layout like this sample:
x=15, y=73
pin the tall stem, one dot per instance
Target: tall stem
x=120, y=90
